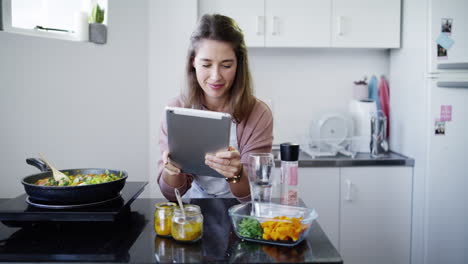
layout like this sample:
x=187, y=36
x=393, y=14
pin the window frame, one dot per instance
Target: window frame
x=7, y=27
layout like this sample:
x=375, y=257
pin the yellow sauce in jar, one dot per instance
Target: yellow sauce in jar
x=163, y=218
x=190, y=228
x=188, y=231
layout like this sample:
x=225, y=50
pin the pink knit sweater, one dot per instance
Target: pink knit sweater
x=254, y=135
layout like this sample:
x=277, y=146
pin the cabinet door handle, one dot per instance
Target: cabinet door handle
x=340, y=25
x=348, y=190
x=260, y=25
x=275, y=26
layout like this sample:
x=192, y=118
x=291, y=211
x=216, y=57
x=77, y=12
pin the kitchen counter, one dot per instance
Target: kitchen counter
x=361, y=159
x=133, y=240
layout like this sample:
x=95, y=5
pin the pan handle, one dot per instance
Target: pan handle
x=38, y=163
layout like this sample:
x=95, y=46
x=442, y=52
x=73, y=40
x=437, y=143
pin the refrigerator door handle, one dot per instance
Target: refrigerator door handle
x=453, y=66
x=452, y=84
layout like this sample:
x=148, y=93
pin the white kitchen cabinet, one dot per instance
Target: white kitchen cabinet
x=375, y=214
x=299, y=23
x=319, y=189
x=272, y=23
x=365, y=211
x=249, y=15
x=313, y=23
x=366, y=23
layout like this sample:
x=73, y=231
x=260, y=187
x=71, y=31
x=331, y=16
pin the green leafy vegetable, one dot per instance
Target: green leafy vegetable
x=249, y=227
x=79, y=179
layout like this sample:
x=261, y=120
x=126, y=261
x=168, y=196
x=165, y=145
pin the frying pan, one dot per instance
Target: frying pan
x=71, y=194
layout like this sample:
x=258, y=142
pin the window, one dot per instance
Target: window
x=48, y=18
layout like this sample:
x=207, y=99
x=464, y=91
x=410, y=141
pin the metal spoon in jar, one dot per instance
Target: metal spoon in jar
x=58, y=175
x=179, y=200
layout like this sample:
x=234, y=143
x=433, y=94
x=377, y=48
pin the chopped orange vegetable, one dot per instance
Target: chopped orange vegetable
x=290, y=228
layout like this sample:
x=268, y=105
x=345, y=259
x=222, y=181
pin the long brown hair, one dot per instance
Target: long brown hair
x=225, y=29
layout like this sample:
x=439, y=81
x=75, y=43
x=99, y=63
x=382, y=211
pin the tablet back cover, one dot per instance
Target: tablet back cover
x=190, y=137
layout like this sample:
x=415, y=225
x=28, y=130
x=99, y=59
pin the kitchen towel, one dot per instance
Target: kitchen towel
x=373, y=94
x=384, y=98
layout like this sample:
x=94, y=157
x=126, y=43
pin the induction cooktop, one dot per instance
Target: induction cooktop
x=20, y=210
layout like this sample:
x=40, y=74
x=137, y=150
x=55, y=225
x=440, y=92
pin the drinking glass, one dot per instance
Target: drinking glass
x=261, y=167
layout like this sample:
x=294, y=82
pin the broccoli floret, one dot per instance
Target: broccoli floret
x=249, y=227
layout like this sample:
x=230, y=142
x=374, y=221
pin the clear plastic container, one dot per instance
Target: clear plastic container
x=163, y=218
x=190, y=228
x=244, y=211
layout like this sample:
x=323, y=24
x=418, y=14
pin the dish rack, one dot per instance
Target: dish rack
x=331, y=135
x=328, y=147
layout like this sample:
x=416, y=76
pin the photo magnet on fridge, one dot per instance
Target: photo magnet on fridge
x=446, y=26
x=445, y=113
x=439, y=127
x=441, y=52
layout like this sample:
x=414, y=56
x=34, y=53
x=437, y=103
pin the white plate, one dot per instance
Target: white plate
x=333, y=128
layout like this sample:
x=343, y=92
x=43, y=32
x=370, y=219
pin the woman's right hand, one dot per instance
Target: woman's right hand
x=169, y=168
x=171, y=175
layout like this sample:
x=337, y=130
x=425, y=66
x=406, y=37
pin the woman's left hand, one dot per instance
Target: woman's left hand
x=226, y=163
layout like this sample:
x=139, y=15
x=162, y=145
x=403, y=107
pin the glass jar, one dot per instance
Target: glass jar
x=163, y=218
x=190, y=228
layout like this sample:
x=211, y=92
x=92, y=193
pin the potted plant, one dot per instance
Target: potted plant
x=97, y=30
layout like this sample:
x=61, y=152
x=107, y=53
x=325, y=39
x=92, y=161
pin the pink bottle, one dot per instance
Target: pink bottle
x=289, y=173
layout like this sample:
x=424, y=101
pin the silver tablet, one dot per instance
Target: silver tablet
x=194, y=133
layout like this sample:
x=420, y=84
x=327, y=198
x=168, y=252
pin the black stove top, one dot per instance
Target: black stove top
x=18, y=211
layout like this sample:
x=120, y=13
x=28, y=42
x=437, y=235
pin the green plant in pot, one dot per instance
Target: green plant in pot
x=97, y=30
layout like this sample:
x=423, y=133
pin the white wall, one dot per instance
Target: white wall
x=171, y=23
x=81, y=104
x=304, y=84
x=120, y=89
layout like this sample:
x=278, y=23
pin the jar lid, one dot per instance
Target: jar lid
x=289, y=151
x=165, y=205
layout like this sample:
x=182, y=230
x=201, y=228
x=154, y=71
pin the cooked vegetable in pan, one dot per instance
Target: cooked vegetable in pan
x=79, y=179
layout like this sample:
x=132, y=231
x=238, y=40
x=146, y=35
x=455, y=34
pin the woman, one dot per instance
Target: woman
x=219, y=80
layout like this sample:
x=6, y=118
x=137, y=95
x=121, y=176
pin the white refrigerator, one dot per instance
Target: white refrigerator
x=429, y=102
x=447, y=160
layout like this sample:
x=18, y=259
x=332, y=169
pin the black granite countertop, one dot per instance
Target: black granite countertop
x=340, y=160
x=133, y=240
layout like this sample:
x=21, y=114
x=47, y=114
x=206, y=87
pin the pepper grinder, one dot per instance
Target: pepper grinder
x=289, y=173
